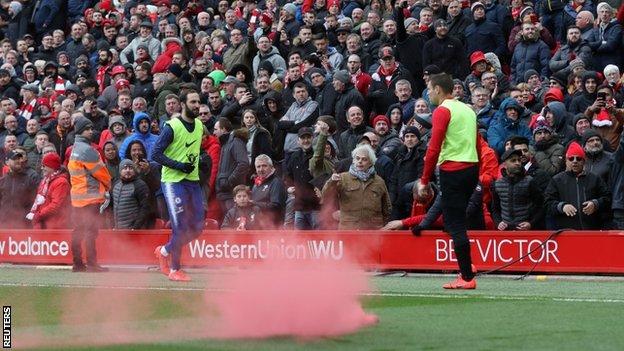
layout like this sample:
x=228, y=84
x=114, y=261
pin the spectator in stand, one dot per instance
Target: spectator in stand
x=389, y=141
x=577, y=199
x=457, y=21
x=259, y=141
x=141, y=124
x=607, y=119
x=409, y=164
x=302, y=113
x=130, y=198
x=36, y=154
x=382, y=90
x=558, y=117
x=233, y=162
x=606, y=41
x=267, y=52
x=548, y=151
x=517, y=200
x=244, y=99
x=350, y=137
x=598, y=161
x=60, y=136
x=505, y=125
x=530, y=53
x=529, y=163
x=51, y=207
x=445, y=52
x=244, y=213
x=409, y=42
x=145, y=37
x=483, y=108
x=587, y=96
x=241, y=50
x=323, y=90
x=369, y=206
x=90, y=183
x=484, y=35
x=574, y=48
x=268, y=193
x=359, y=76
x=346, y=96
x=17, y=190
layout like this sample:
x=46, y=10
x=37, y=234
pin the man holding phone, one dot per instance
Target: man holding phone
x=607, y=119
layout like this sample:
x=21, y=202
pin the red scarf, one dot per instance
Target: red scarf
x=386, y=75
x=100, y=77
x=26, y=110
x=43, y=190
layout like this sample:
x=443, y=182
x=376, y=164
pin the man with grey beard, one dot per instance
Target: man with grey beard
x=598, y=161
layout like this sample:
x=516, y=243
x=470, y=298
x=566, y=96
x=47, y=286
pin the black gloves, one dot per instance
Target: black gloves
x=187, y=167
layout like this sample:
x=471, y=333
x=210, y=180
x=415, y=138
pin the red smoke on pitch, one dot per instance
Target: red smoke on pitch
x=302, y=298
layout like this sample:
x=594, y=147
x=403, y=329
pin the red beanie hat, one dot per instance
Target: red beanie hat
x=43, y=101
x=52, y=160
x=266, y=19
x=380, y=118
x=575, y=150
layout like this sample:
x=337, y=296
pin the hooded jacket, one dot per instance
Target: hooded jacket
x=148, y=139
x=503, y=127
x=169, y=47
x=279, y=65
x=54, y=212
x=549, y=155
x=153, y=46
x=561, y=125
x=582, y=101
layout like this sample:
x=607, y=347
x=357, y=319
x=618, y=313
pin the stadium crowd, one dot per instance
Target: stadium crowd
x=316, y=113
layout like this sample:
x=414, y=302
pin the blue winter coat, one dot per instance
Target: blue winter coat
x=529, y=55
x=485, y=36
x=502, y=127
x=607, y=45
x=148, y=139
x=45, y=14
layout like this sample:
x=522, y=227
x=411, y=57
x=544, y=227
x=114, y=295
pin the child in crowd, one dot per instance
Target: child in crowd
x=244, y=213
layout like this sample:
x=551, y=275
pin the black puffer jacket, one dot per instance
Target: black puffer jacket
x=131, y=204
x=516, y=200
x=567, y=188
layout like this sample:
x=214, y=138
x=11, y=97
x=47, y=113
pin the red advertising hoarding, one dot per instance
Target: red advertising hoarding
x=569, y=252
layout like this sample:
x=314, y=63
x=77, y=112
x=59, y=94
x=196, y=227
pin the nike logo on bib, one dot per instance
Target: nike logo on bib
x=191, y=143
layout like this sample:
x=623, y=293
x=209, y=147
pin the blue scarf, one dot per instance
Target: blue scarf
x=362, y=175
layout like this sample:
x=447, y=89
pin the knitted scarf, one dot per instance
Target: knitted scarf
x=362, y=175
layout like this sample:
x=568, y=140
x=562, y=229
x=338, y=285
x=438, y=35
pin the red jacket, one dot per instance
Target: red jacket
x=488, y=168
x=54, y=212
x=211, y=145
x=169, y=46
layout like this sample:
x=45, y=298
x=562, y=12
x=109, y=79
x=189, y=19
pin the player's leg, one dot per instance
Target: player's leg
x=457, y=187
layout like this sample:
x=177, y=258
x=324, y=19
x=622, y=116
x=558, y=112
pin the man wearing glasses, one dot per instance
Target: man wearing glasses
x=574, y=198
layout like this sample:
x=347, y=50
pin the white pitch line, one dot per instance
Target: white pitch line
x=369, y=294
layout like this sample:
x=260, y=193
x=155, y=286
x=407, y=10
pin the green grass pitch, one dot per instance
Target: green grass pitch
x=567, y=313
